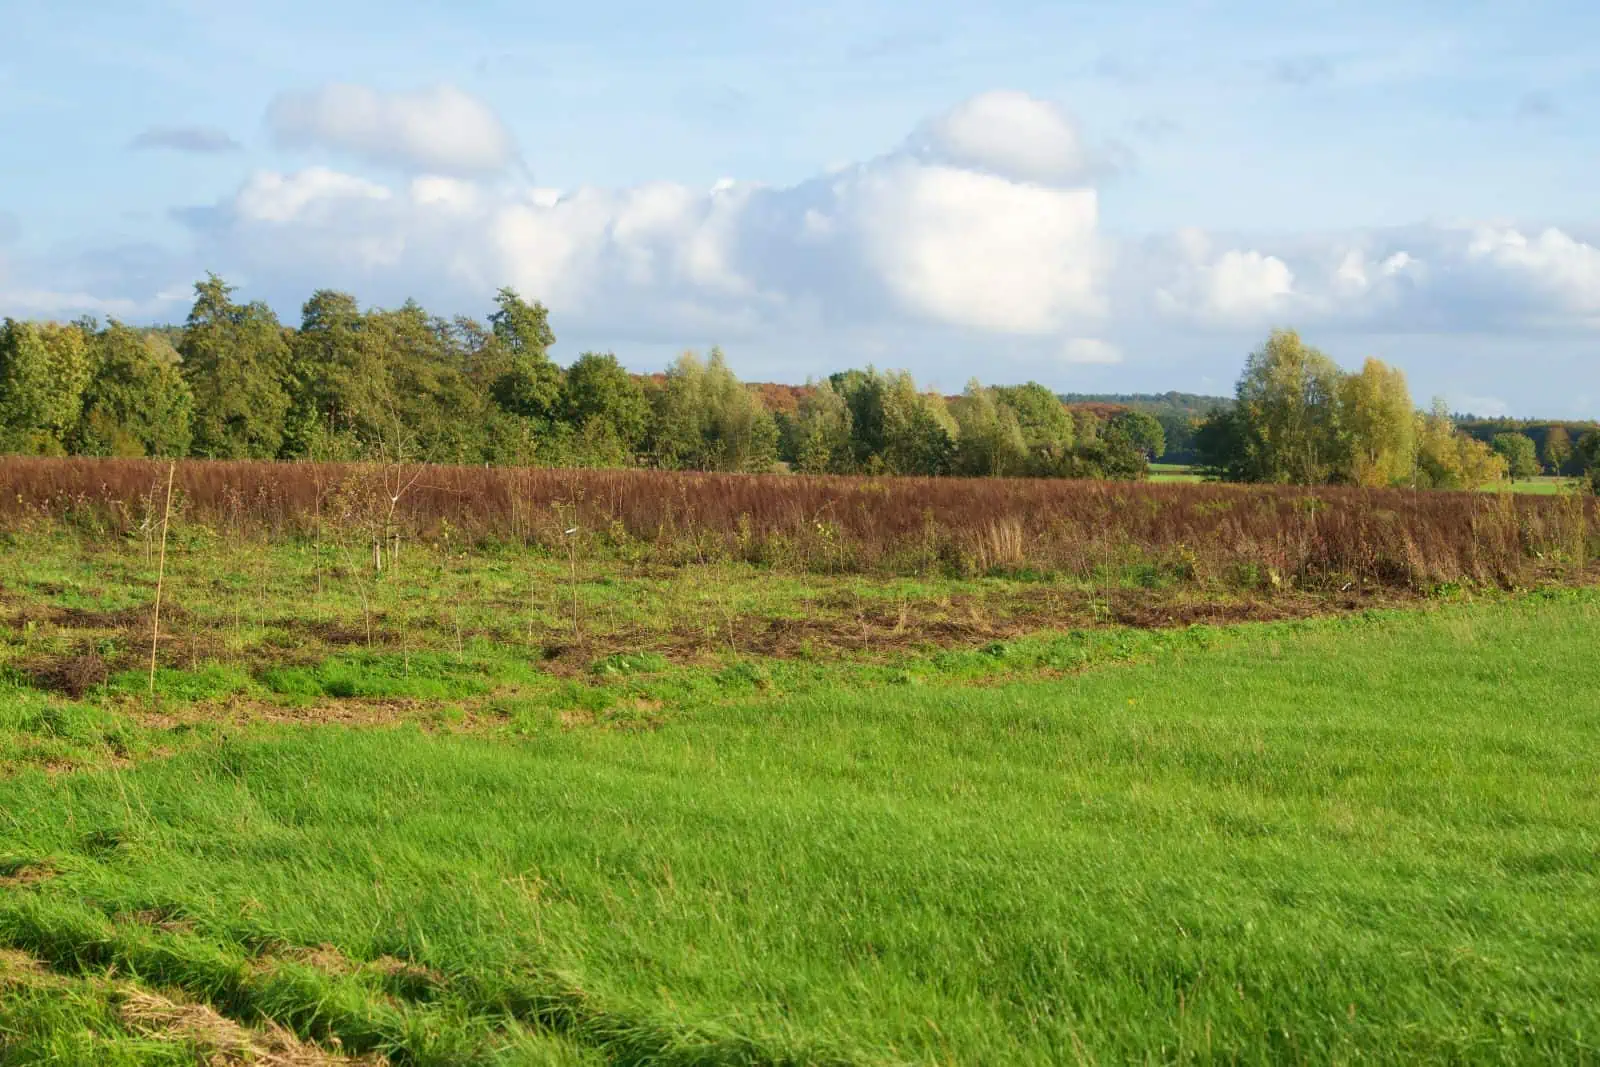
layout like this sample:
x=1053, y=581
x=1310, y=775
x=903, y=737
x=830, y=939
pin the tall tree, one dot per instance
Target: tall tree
x=1587, y=451
x=1557, y=448
x=44, y=368
x=678, y=415
x=1381, y=425
x=821, y=430
x=741, y=434
x=1045, y=421
x=1142, y=432
x=1220, y=443
x=989, y=438
x=1518, y=452
x=1450, y=459
x=137, y=403
x=1288, y=401
x=236, y=360
x=340, y=396
x=919, y=434
x=602, y=398
x=527, y=383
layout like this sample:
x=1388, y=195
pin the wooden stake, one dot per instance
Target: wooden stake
x=161, y=574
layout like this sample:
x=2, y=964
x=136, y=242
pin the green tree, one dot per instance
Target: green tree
x=137, y=403
x=44, y=368
x=1113, y=455
x=989, y=437
x=1522, y=461
x=1587, y=451
x=603, y=400
x=1220, y=443
x=678, y=415
x=740, y=434
x=1380, y=421
x=527, y=383
x=1178, y=429
x=1086, y=425
x=236, y=360
x=919, y=433
x=340, y=394
x=821, y=431
x=1141, y=431
x=1557, y=448
x=1450, y=459
x=1288, y=402
x=863, y=392
x=1044, y=420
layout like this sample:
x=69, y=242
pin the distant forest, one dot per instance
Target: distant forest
x=1180, y=414
x=353, y=383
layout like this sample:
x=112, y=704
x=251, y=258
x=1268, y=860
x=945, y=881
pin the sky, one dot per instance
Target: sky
x=1100, y=197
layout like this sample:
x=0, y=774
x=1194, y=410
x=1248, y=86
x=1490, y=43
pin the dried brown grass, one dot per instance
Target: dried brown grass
x=1252, y=536
x=220, y=1040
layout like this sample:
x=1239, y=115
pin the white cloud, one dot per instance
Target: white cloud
x=1007, y=133
x=969, y=238
x=1090, y=350
x=307, y=196
x=1239, y=286
x=1553, y=264
x=439, y=129
x=893, y=240
x=62, y=304
x=977, y=250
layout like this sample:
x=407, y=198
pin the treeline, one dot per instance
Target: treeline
x=1180, y=415
x=352, y=384
x=1298, y=419
x=1553, y=446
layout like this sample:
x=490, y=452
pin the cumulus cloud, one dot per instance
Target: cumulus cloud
x=1234, y=287
x=976, y=249
x=195, y=139
x=1553, y=268
x=903, y=238
x=1010, y=134
x=440, y=129
x=980, y=233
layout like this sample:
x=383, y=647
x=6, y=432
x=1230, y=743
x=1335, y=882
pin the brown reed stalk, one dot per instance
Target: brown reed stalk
x=1326, y=535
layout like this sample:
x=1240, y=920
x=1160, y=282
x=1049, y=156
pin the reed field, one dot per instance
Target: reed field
x=490, y=766
x=1302, y=537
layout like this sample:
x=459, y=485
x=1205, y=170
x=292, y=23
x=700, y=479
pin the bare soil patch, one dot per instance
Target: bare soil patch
x=27, y=874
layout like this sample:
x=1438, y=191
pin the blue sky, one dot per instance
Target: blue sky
x=1098, y=196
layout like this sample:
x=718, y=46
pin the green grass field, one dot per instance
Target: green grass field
x=448, y=830
x=1542, y=486
x=1173, y=472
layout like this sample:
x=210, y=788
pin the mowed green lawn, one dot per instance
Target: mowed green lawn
x=1174, y=472
x=1541, y=486
x=1348, y=840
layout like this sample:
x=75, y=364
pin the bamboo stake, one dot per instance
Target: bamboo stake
x=161, y=574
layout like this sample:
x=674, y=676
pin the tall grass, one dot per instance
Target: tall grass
x=1268, y=536
x=1351, y=841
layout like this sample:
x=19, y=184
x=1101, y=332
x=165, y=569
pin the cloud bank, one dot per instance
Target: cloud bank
x=979, y=233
